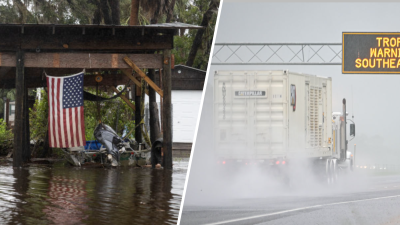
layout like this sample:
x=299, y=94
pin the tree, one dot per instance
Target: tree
x=212, y=9
x=134, y=17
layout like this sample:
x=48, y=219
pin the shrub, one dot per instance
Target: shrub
x=6, y=138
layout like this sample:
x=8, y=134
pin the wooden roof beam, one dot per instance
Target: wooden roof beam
x=140, y=73
x=129, y=75
x=82, y=60
x=124, y=98
x=88, y=81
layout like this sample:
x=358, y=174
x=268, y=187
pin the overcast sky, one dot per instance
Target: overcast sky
x=376, y=97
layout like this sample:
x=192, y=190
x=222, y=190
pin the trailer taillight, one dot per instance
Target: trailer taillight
x=283, y=162
x=277, y=162
x=223, y=162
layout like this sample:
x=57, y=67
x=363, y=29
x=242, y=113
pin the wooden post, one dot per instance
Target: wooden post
x=167, y=111
x=7, y=112
x=138, y=130
x=19, y=111
x=26, y=154
x=132, y=98
x=154, y=124
x=161, y=101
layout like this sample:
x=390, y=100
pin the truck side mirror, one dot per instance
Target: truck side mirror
x=352, y=129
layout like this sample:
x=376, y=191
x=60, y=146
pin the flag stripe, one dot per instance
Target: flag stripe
x=55, y=113
x=50, y=118
x=59, y=121
x=73, y=125
x=60, y=107
x=83, y=125
x=79, y=126
x=66, y=127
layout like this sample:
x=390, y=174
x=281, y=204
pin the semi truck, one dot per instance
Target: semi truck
x=275, y=117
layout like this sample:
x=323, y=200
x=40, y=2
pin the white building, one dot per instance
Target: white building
x=11, y=113
x=187, y=89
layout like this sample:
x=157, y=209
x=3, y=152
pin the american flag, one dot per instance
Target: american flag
x=66, y=119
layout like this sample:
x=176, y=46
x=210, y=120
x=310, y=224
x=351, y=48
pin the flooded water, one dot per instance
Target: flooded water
x=66, y=195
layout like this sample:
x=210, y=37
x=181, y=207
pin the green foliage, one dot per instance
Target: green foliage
x=110, y=112
x=4, y=133
x=192, y=13
x=6, y=137
x=38, y=118
x=125, y=10
x=50, y=12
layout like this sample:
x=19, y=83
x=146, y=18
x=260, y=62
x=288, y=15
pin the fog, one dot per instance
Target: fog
x=372, y=99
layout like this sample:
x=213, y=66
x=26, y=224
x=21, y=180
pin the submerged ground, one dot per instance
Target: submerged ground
x=60, y=194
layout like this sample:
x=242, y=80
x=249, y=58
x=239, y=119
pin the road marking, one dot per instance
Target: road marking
x=297, y=209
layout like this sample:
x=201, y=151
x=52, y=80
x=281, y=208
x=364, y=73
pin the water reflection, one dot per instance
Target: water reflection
x=66, y=195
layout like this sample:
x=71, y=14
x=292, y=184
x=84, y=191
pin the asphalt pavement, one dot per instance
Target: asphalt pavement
x=354, y=200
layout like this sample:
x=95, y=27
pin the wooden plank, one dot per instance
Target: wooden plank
x=146, y=78
x=138, y=128
x=114, y=61
x=153, y=108
x=8, y=59
x=56, y=60
x=26, y=154
x=95, y=43
x=96, y=38
x=167, y=111
x=19, y=140
x=129, y=75
x=89, y=81
x=82, y=60
x=124, y=98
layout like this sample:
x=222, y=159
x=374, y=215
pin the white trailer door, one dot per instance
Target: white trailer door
x=231, y=116
x=249, y=114
x=270, y=124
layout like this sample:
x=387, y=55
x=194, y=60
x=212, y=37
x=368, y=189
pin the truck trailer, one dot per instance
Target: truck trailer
x=272, y=117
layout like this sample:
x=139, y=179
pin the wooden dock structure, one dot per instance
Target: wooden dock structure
x=27, y=50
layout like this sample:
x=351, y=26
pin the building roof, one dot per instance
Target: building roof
x=89, y=37
x=175, y=25
x=190, y=68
